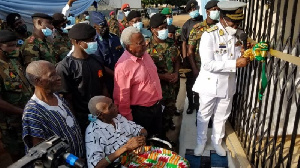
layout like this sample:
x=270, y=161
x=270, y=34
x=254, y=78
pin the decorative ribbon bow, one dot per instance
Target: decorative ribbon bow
x=259, y=52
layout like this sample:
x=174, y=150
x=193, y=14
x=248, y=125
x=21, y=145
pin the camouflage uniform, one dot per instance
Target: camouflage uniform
x=164, y=56
x=14, y=89
x=37, y=49
x=21, y=41
x=124, y=23
x=194, y=39
x=61, y=44
x=114, y=27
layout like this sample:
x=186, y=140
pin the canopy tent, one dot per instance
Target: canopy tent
x=28, y=7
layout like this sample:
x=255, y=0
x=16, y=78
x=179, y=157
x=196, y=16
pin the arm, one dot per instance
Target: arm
x=207, y=56
x=9, y=108
x=132, y=144
x=122, y=92
x=175, y=74
x=183, y=38
x=66, y=9
x=191, y=53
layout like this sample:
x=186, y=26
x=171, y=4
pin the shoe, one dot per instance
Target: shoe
x=219, y=150
x=190, y=110
x=199, y=149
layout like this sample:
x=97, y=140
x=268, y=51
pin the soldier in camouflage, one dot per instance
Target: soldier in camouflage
x=39, y=45
x=16, y=24
x=193, y=50
x=126, y=10
x=62, y=44
x=113, y=23
x=167, y=60
x=15, y=91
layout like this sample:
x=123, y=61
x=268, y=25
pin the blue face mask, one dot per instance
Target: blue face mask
x=92, y=118
x=87, y=17
x=138, y=25
x=47, y=32
x=92, y=47
x=169, y=21
x=64, y=30
x=163, y=34
x=194, y=14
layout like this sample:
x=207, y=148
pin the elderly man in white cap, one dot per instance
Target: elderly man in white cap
x=220, y=52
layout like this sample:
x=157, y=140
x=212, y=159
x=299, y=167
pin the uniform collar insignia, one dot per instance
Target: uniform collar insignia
x=221, y=32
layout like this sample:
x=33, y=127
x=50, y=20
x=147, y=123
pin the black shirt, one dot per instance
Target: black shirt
x=83, y=78
x=188, y=26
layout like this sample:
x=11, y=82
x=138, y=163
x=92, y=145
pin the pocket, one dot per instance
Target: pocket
x=209, y=84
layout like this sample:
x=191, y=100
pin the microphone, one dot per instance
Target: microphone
x=244, y=38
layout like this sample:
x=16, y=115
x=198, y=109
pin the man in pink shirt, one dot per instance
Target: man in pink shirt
x=137, y=90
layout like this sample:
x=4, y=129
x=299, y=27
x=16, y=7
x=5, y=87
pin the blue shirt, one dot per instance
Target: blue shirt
x=43, y=121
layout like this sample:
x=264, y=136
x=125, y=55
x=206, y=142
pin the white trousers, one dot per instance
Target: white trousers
x=221, y=108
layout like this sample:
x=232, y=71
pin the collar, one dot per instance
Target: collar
x=132, y=57
x=35, y=98
x=102, y=124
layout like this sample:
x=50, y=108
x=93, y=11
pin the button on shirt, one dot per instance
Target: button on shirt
x=136, y=83
x=103, y=139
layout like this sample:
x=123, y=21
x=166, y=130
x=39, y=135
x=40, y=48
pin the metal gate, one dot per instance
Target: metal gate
x=269, y=129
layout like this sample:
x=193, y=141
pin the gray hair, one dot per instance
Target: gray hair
x=94, y=106
x=35, y=70
x=127, y=33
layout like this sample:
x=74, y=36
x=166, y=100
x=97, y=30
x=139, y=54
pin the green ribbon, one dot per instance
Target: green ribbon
x=260, y=51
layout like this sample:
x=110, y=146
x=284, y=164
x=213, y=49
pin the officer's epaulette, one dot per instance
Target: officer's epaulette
x=212, y=29
x=31, y=39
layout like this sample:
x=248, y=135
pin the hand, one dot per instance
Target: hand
x=135, y=142
x=175, y=77
x=249, y=45
x=242, y=62
x=70, y=2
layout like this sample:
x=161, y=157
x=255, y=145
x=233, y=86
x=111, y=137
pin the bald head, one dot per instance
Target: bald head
x=36, y=69
x=98, y=104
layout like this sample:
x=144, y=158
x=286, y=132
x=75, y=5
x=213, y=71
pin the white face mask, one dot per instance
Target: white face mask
x=214, y=15
x=138, y=25
x=162, y=34
x=126, y=13
x=230, y=30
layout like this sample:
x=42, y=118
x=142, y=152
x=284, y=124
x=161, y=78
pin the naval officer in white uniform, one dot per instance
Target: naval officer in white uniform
x=220, y=52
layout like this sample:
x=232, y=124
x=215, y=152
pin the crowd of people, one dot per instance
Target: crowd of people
x=107, y=85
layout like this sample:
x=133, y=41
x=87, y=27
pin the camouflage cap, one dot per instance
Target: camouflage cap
x=166, y=11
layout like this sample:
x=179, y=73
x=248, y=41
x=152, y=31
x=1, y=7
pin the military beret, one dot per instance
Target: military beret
x=172, y=28
x=166, y=11
x=7, y=36
x=232, y=9
x=41, y=15
x=133, y=14
x=111, y=13
x=12, y=18
x=191, y=4
x=125, y=6
x=157, y=20
x=98, y=18
x=59, y=17
x=211, y=4
x=82, y=31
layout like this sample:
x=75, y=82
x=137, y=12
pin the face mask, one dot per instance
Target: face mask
x=92, y=48
x=72, y=20
x=138, y=25
x=47, y=32
x=214, y=15
x=126, y=13
x=92, y=118
x=194, y=14
x=231, y=31
x=87, y=17
x=22, y=29
x=169, y=21
x=64, y=30
x=162, y=34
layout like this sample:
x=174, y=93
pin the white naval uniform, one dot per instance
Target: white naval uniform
x=216, y=82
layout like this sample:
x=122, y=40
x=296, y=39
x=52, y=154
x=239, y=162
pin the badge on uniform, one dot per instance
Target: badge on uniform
x=221, y=32
x=222, y=45
x=20, y=42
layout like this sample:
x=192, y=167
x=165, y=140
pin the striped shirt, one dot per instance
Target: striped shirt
x=43, y=121
x=102, y=139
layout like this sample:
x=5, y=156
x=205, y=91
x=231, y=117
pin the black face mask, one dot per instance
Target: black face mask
x=21, y=29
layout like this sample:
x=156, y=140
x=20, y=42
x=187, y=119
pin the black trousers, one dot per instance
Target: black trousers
x=190, y=81
x=150, y=118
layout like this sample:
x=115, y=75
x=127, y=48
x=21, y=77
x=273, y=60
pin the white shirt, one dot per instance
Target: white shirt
x=103, y=139
x=218, y=63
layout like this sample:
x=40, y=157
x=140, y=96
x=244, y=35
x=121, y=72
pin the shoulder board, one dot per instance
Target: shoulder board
x=212, y=29
x=31, y=39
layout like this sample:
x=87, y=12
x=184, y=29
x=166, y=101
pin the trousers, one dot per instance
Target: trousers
x=221, y=108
